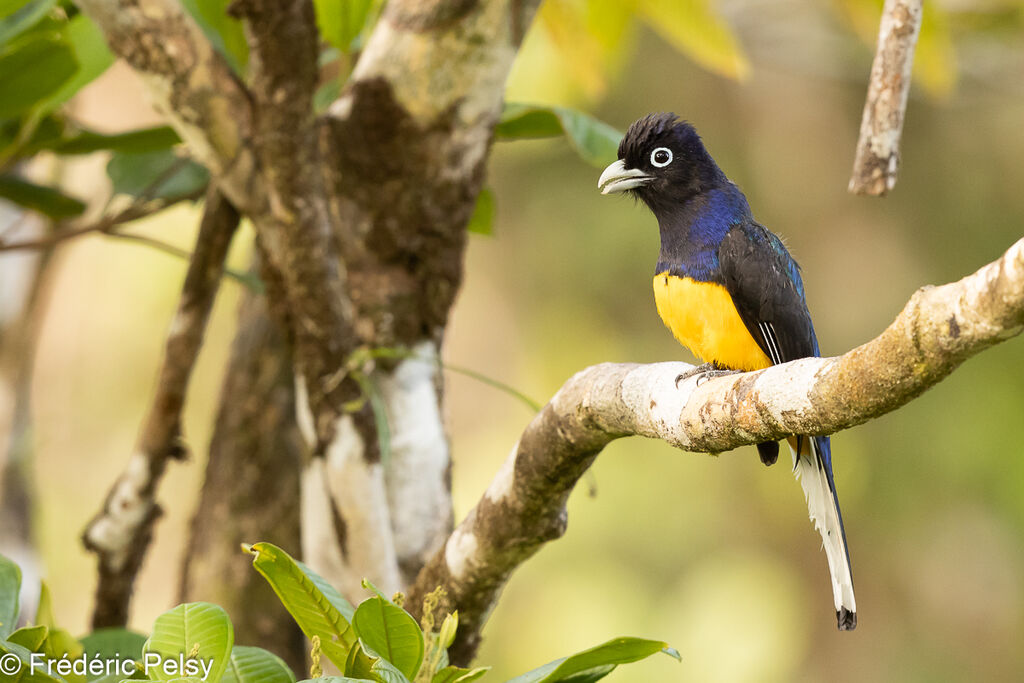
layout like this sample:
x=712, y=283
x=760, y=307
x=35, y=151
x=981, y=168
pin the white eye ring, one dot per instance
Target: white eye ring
x=663, y=164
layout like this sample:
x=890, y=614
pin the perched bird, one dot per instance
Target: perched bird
x=730, y=292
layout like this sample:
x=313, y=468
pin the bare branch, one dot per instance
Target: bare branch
x=107, y=225
x=121, y=531
x=191, y=84
x=524, y=507
x=878, y=150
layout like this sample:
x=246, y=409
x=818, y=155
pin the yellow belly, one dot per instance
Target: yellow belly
x=703, y=318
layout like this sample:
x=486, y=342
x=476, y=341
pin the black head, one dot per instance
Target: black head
x=663, y=162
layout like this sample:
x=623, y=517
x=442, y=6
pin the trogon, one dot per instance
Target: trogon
x=730, y=292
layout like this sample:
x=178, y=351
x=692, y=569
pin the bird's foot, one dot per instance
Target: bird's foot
x=705, y=372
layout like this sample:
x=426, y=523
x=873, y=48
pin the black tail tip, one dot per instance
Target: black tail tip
x=847, y=619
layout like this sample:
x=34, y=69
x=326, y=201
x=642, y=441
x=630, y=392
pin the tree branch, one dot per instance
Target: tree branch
x=120, y=533
x=524, y=506
x=191, y=84
x=877, y=161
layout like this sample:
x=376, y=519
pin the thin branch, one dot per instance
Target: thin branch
x=524, y=507
x=120, y=533
x=878, y=150
x=106, y=225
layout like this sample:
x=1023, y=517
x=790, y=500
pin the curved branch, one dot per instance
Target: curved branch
x=524, y=507
x=191, y=84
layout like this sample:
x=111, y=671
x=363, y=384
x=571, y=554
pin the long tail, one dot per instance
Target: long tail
x=812, y=464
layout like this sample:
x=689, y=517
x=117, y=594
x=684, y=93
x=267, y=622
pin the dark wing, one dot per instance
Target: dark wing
x=764, y=283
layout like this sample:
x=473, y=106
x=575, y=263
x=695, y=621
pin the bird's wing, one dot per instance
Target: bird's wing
x=764, y=283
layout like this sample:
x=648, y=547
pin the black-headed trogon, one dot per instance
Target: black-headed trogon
x=730, y=292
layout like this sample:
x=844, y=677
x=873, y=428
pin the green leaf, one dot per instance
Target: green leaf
x=44, y=610
x=200, y=633
x=595, y=663
x=256, y=665
x=363, y=662
x=114, y=643
x=596, y=142
x=341, y=21
x=22, y=16
x=30, y=637
x=316, y=606
x=391, y=632
x=33, y=71
x=456, y=674
x=482, y=220
x=224, y=31
x=93, y=57
x=60, y=644
x=46, y=200
x=160, y=174
x=137, y=141
x=694, y=28
x=10, y=586
x=337, y=679
x=26, y=673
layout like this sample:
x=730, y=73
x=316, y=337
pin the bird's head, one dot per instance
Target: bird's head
x=662, y=161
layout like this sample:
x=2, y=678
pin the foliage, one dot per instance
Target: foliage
x=376, y=642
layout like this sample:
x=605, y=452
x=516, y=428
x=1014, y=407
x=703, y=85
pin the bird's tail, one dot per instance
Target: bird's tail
x=812, y=464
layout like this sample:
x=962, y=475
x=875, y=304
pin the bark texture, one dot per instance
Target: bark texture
x=878, y=150
x=524, y=507
x=251, y=488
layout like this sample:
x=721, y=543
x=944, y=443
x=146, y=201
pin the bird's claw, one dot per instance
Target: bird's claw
x=705, y=372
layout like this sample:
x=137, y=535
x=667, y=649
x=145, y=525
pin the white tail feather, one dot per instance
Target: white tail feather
x=824, y=512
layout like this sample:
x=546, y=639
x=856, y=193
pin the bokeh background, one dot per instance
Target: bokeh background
x=713, y=554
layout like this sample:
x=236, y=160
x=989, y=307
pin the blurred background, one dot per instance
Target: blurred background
x=713, y=554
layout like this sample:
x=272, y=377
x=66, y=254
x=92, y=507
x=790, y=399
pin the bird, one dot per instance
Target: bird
x=729, y=291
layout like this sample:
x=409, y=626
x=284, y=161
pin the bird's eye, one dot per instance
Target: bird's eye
x=661, y=157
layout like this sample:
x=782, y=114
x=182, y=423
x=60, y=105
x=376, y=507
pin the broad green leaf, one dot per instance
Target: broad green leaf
x=29, y=637
x=316, y=606
x=91, y=53
x=341, y=21
x=33, y=71
x=114, y=643
x=60, y=644
x=10, y=6
x=596, y=142
x=199, y=632
x=21, y=18
x=26, y=673
x=46, y=200
x=224, y=31
x=136, y=141
x=44, y=610
x=10, y=586
x=597, y=662
x=256, y=665
x=456, y=674
x=390, y=631
x=694, y=28
x=363, y=662
x=337, y=679
x=565, y=23
x=482, y=220
x=156, y=174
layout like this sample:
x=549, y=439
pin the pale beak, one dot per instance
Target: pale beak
x=618, y=178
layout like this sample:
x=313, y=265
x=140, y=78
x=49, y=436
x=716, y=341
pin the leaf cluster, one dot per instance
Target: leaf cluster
x=376, y=642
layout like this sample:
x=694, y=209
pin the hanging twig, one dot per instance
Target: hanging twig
x=877, y=161
x=121, y=532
